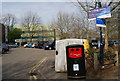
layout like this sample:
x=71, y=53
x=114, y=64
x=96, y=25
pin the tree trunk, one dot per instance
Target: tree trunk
x=106, y=37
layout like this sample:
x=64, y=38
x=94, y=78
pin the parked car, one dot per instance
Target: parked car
x=23, y=43
x=36, y=45
x=5, y=48
x=42, y=43
x=110, y=43
x=32, y=45
x=116, y=42
x=94, y=43
x=26, y=45
x=12, y=45
x=50, y=46
x=45, y=44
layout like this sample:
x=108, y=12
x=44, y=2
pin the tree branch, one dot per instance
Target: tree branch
x=82, y=6
x=110, y=3
x=115, y=6
x=95, y=4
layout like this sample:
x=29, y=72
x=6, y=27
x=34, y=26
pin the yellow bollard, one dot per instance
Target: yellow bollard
x=86, y=47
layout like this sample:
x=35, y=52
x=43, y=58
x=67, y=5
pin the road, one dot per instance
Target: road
x=33, y=63
x=30, y=63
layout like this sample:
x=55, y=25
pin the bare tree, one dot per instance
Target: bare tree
x=69, y=26
x=113, y=25
x=9, y=20
x=86, y=6
x=31, y=22
x=61, y=24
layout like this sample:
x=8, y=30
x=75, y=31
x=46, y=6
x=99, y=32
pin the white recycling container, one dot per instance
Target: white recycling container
x=60, y=56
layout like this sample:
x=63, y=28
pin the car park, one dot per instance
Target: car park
x=50, y=46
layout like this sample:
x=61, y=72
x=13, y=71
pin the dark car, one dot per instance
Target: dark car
x=5, y=48
x=23, y=43
x=50, y=46
x=110, y=43
x=116, y=42
x=36, y=45
x=94, y=43
x=45, y=44
x=41, y=44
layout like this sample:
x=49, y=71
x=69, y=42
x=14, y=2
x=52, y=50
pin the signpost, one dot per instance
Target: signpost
x=100, y=14
x=100, y=22
x=106, y=13
x=103, y=12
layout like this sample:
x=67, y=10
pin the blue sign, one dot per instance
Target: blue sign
x=100, y=22
x=105, y=13
x=99, y=13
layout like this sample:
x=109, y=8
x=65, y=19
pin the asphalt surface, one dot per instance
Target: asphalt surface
x=33, y=63
x=29, y=63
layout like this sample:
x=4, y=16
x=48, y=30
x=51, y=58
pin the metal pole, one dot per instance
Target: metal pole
x=101, y=43
x=101, y=49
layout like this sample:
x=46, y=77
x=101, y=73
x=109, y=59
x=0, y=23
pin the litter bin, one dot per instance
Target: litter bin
x=75, y=62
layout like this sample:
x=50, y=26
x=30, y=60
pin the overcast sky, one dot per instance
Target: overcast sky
x=46, y=10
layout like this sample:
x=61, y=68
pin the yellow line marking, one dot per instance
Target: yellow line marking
x=38, y=64
x=35, y=67
x=35, y=77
